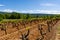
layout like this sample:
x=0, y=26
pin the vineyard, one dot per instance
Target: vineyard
x=29, y=19
x=20, y=26
x=37, y=29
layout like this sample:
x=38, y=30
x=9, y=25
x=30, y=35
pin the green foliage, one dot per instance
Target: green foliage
x=1, y=19
x=15, y=15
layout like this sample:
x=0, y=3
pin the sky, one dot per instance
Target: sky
x=31, y=6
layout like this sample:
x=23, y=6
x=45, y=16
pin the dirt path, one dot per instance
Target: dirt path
x=58, y=31
x=58, y=37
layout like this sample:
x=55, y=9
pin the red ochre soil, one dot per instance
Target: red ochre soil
x=28, y=30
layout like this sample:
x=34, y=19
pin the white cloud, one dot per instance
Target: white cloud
x=33, y=11
x=42, y=11
x=9, y=10
x=1, y=5
x=48, y=4
x=50, y=11
x=27, y=11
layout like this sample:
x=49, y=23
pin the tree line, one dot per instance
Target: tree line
x=15, y=15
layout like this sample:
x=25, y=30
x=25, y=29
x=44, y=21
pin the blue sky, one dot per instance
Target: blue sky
x=30, y=6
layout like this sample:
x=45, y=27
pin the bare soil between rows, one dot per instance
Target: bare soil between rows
x=58, y=31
